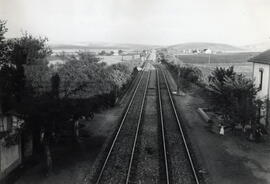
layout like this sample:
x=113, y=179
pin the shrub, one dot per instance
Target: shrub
x=221, y=73
x=234, y=96
x=190, y=73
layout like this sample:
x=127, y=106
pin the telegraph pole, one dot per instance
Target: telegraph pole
x=178, y=81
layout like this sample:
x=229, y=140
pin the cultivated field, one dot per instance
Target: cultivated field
x=244, y=68
x=238, y=60
x=217, y=58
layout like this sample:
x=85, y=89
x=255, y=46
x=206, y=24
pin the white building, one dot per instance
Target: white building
x=207, y=51
x=261, y=76
x=115, y=53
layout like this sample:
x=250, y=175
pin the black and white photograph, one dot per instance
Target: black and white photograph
x=134, y=91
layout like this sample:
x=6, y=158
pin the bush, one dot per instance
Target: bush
x=234, y=96
x=190, y=73
x=220, y=74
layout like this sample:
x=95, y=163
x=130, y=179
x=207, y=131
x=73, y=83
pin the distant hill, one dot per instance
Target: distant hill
x=260, y=47
x=204, y=45
x=101, y=46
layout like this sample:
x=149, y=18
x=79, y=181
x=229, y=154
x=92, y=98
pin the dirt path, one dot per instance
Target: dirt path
x=224, y=159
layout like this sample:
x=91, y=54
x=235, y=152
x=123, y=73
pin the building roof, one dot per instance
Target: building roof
x=263, y=58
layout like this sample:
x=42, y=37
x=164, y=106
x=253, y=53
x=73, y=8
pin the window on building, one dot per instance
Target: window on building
x=261, y=78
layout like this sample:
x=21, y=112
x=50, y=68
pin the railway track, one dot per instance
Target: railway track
x=130, y=88
x=180, y=162
x=150, y=145
x=146, y=164
x=117, y=161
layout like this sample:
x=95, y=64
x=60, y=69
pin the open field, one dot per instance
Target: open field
x=244, y=68
x=109, y=60
x=238, y=60
x=217, y=58
x=116, y=59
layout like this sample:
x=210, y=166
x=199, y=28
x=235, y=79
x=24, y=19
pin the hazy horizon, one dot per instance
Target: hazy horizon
x=151, y=22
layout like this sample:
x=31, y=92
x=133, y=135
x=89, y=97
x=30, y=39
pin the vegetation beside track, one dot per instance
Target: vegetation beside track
x=51, y=99
x=231, y=94
x=116, y=158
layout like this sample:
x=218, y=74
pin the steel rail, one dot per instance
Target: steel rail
x=181, y=131
x=137, y=130
x=130, y=86
x=119, y=129
x=162, y=131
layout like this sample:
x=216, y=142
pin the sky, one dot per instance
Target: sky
x=157, y=22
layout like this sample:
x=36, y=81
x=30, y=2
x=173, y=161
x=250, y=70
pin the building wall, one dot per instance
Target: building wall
x=10, y=158
x=262, y=94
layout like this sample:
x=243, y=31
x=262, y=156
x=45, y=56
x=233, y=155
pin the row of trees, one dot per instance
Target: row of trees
x=104, y=53
x=51, y=99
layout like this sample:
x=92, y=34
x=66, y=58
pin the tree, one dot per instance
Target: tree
x=8, y=73
x=220, y=74
x=3, y=30
x=120, y=52
x=235, y=97
x=30, y=50
x=7, y=87
x=51, y=100
x=83, y=77
x=102, y=53
x=31, y=81
x=120, y=74
x=38, y=78
x=3, y=45
x=28, y=55
x=55, y=86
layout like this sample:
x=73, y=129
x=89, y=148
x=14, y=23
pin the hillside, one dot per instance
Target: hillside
x=101, y=46
x=204, y=45
x=260, y=47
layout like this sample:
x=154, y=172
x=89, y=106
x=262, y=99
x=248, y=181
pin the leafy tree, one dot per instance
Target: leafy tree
x=29, y=50
x=3, y=45
x=47, y=98
x=38, y=78
x=102, y=53
x=235, y=96
x=8, y=73
x=120, y=52
x=84, y=77
x=7, y=87
x=190, y=73
x=85, y=56
x=3, y=30
x=120, y=74
x=221, y=73
x=28, y=55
